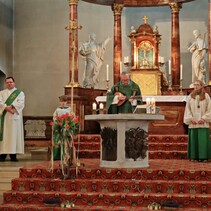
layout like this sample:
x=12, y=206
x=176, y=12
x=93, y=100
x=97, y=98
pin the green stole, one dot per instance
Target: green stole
x=8, y=102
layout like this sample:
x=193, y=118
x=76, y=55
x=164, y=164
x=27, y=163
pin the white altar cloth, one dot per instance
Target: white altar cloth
x=160, y=98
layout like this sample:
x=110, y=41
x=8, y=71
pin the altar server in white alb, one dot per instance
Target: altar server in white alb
x=12, y=102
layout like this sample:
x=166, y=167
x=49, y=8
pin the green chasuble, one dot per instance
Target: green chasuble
x=132, y=89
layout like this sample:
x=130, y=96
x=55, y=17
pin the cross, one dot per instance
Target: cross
x=73, y=27
x=145, y=18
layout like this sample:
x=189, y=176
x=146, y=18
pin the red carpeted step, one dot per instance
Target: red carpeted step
x=31, y=207
x=89, y=153
x=152, y=146
x=167, y=147
x=167, y=154
x=115, y=185
x=158, y=170
x=88, y=138
x=104, y=199
x=168, y=138
x=87, y=146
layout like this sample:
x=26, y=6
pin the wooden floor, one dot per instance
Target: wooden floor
x=10, y=170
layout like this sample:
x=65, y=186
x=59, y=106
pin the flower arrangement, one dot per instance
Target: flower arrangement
x=64, y=127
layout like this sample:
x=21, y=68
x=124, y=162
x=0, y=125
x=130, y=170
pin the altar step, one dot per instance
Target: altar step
x=160, y=147
x=138, y=200
x=95, y=188
x=110, y=186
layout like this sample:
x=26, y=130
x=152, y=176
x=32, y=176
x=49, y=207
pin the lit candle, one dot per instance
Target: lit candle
x=107, y=72
x=181, y=72
x=148, y=101
x=169, y=67
x=120, y=65
x=94, y=106
x=101, y=106
x=152, y=100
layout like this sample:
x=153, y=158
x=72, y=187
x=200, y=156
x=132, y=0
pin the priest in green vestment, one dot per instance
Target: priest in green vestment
x=124, y=96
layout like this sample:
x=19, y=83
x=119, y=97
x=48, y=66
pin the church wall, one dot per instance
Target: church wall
x=41, y=43
x=6, y=40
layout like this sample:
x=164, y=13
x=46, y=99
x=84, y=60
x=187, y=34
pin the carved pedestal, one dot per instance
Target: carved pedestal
x=124, y=139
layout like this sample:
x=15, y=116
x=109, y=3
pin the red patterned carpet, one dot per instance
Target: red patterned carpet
x=168, y=181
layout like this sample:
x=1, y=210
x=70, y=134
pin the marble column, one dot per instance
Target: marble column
x=175, y=43
x=209, y=40
x=73, y=43
x=117, y=10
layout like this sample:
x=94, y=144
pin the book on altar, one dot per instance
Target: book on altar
x=142, y=109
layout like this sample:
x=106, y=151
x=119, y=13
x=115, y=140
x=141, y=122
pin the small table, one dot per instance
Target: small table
x=126, y=127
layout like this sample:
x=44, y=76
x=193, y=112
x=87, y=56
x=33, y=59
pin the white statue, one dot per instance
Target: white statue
x=199, y=51
x=93, y=53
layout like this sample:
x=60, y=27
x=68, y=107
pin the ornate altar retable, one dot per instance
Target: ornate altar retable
x=124, y=139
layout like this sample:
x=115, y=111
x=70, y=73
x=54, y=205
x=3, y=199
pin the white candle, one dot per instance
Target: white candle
x=107, y=72
x=162, y=59
x=152, y=100
x=120, y=65
x=101, y=106
x=148, y=101
x=169, y=67
x=153, y=105
x=159, y=59
x=94, y=106
x=181, y=72
x=125, y=59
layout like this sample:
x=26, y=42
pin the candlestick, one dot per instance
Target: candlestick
x=170, y=83
x=120, y=65
x=148, y=107
x=181, y=92
x=153, y=105
x=107, y=72
x=169, y=67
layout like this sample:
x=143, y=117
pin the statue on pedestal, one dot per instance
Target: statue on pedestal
x=93, y=53
x=199, y=51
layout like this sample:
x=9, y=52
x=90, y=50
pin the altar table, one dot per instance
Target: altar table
x=124, y=124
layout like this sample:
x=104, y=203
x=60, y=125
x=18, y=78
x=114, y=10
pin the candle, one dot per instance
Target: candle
x=153, y=105
x=169, y=67
x=181, y=72
x=148, y=101
x=107, y=72
x=126, y=59
x=120, y=65
x=94, y=106
x=152, y=100
x=101, y=106
x=148, y=109
x=159, y=59
x=162, y=59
